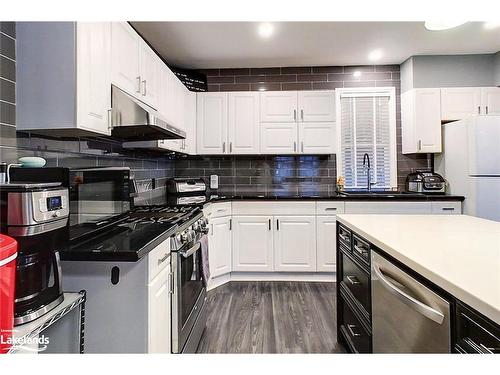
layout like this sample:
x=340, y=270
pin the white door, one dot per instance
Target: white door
x=326, y=247
x=278, y=106
x=460, y=102
x=125, y=58
x=94, y=76
x=427, y=120
x=149, y=64
x=243, y=123
x=295, y=243
x=253, y=243
x=490, y=100
x=211, y=123
x=315, y=106
x=278, y=138
x=317, y=138
x=219, y=246
x=159, y=315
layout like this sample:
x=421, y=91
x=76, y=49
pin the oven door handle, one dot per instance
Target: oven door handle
x=191, y=251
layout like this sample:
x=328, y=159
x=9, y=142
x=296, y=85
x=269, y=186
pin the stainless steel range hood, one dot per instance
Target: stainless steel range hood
x=133, y=120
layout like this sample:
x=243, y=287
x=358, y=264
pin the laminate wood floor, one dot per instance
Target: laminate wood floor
x=271, y=317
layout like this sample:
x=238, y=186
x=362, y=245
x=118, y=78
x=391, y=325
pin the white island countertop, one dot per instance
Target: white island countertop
x=459, y=253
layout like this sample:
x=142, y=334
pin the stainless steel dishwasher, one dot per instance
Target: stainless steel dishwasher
x=407, y=317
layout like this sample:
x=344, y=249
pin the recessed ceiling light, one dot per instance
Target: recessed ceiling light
x=375, y=55
x=356, y=74
x=491, y=25
x=442, y=25
x=265, y=30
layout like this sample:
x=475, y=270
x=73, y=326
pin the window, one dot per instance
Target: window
x=367, y=119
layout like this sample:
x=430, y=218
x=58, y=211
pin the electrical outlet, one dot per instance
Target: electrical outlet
x=214, y=181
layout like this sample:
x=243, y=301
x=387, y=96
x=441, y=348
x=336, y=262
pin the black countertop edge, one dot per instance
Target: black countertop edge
x=377, y=198
x=118, y=256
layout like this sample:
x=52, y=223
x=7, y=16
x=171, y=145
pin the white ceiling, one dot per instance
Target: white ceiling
x=204, y=45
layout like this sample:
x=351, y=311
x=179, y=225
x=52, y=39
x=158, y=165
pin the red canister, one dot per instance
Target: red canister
x=8, y=254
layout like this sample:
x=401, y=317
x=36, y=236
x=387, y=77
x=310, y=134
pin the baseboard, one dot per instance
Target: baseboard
x=271, y=276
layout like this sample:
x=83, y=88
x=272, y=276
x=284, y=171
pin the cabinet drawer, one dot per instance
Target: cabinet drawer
x=158, y=259
x=344, y=236
x=361, y=249
x=447, y=208
x=329, y=208
x=475, y=334
x=218, y=210
x=353, y=329
x=357, y=281
x=274, y=208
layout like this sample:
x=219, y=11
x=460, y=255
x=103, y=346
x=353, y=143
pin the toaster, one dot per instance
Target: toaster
x=426, y=182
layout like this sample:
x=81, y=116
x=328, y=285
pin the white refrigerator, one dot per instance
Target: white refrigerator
x=471, y=164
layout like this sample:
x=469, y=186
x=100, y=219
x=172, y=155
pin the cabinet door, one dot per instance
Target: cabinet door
x=211, y=123
x=159, y=315
x=427, y=116
x=243, y=123
x=295, y=243
x=278, y=106
x=490, y=101
x=317, y=138
x=460, y=102
x=93, y=56
x=149, y=64
x=219, y=246
x=190, y=122
x=278, y=138
x=315, y=106
x=125, y=58
x=253, y=243
x=326, y=249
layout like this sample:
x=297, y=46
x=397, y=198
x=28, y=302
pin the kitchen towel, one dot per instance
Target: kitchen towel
x=204, y=258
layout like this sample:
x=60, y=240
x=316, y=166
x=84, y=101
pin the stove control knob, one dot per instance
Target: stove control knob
x=195, y=226
x=185, y=237
x=178, y=237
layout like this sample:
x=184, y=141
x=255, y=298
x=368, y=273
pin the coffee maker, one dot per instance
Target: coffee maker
x=36, y=215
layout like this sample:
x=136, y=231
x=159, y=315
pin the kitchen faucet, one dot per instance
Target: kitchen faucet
x=366, y=165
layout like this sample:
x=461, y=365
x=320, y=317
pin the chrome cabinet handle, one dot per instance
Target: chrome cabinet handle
x=486, y=109
x=294, y=146
x=419, y=145
x=165, y=257
x=344, y=237
x=302, y=114
x=223, y=147
x=230, y=147
x=230, y=224
x=269, y=224
x=191, y=251
x=350, y=328
x=448, y=208
x=171, y=281
x=138, y=81
x=277, y=224
x=331, y=209
x=478, y=109
x=408, y=300
x=294, y=115
x=302, y=146
x=144, y=88
x=353, y=280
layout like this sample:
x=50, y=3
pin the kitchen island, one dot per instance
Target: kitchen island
x=457, y=257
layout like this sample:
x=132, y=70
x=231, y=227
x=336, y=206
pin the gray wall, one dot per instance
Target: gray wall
x=449, y=71
x=497, y=69
x=69, y=152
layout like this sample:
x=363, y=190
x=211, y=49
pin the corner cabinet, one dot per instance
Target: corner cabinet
x=219, y=240
x=421, y=121
x=67, y=92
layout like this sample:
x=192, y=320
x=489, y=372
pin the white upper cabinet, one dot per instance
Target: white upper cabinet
x=316, y=138
x=253, y=243
x=189, y=146
x=316, y=106
x=295, y=243
x=211, y=123
x=93, y=55
x=149, y=64
x=459, y=102
x=278, y=138
x=243, y=123
x=490, y=101
x=125, y=58
x=421, y=121
x=219, y=242
x=278, y=106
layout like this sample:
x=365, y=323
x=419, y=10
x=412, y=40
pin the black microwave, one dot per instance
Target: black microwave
x=95, y=193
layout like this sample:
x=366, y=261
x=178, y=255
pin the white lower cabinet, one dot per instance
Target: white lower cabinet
x=446, y=208
x=326, y=243
x=253, y=243
x=159, y=316
x=219, y=246
x=295, y=243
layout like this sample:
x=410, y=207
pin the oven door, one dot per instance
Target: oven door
x=188, y=293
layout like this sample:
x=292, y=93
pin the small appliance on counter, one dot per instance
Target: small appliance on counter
x=186, y=191
x=427, y=182
x=36, y=216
